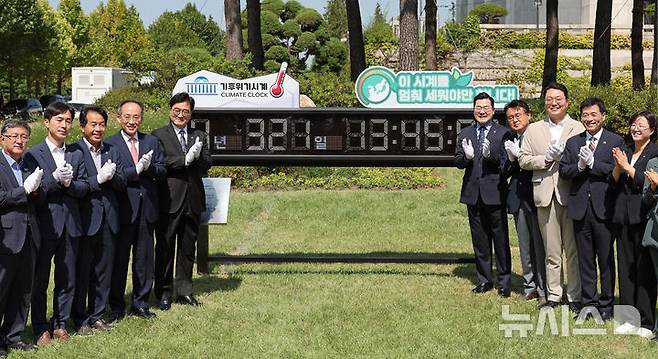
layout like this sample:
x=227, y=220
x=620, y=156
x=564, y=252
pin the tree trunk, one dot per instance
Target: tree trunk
x=637, y=62
x=355, y=30
x=430, y=35
x=253, y=34
x=10, y=79
x=654, y=63
x=60, y=80
x=409, y=35
x=233, y=29
x=552, y=33
x=601, y=53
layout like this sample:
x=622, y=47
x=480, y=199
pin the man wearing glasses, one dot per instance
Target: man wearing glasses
x=20, y=239
x=184, y=199
x=481, y=153
x=64, y=183
x=143, y=166
x=541, y=151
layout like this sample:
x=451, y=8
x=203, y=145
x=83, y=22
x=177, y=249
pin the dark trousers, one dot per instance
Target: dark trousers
x=177, y=238
x=531, y=249
x=489, y=224
x=64, y=249
x=637, y=283
x=16, y=274
x=139, y=237
x=94, y=273
x=594, y=242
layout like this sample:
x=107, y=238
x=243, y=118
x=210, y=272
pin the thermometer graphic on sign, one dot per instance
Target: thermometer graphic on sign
x=277, y=89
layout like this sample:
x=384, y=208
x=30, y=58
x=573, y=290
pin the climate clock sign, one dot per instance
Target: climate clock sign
x=211, y=90
x=379, y=87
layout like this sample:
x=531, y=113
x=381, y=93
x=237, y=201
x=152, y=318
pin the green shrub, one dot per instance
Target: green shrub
x=327, y=89
x=465, y=35
x=251, y=178
x=153, y=98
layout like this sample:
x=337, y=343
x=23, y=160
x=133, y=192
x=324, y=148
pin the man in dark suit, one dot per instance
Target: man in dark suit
x=99, y=211
x=64, y=183
x=184, y=199
x=480, y=151
x=521, y=204
x=588, y=162
x=143, y=166
x=19, y=235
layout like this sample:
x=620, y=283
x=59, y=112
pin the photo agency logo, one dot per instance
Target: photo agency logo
x=520, y=325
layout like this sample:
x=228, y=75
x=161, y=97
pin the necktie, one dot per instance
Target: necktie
x=183, y=142
x=592, y=143
x=133, y=149
x=480, y=140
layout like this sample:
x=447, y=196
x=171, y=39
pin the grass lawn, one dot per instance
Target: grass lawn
x=343, y=310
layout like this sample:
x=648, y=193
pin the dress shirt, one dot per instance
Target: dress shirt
x=14, y=168
x=95, y=153
x=555, y=129
x=57, y=152
x=127, y=138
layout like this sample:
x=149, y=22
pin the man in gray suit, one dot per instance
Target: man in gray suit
x=19, y=235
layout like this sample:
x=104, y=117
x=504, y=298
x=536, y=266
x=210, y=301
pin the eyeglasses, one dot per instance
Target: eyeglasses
x=516, y=115
x=635, y=126
x=129, y=117
x=482, y=108
x=590, y=114
x=551, y=99
x=178, y=111
x=14, y=137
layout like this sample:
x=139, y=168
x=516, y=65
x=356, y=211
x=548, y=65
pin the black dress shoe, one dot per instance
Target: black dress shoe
x=575, y=307
x=550, y=304
x=165, y=303
x=482, y=287
x=114, y=318
x=505, y=293
x=187, y=300
x=144, y=313
x=20, y=346
x=3, y=352
x=606, y=315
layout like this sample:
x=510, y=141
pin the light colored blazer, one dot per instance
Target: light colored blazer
x=546, y=180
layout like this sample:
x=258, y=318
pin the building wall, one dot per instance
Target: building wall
x=571, y=12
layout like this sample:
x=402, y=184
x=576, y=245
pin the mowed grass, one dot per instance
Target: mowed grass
x=343, y=310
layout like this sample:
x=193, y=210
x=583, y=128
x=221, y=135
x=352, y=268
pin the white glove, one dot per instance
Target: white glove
x=584, y=156
x=469, y=152
x=554, y=151
x=194, y=151
x=486, y=148
x=64, y=174
x=33, y=181
x=106, y=172
x=144, y=162
x=513, y=150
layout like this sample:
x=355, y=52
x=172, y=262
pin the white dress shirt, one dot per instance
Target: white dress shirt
x=57, y=152
x=127, y=138
x=555, y=129
x=95, y=153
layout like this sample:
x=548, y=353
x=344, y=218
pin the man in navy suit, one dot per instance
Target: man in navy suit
x=99, y=211
x=521, y=204
x=588, y=162
x=64, y=183
x=19, y=235
x=143, y=165
x=480, y=151
x=183, y=198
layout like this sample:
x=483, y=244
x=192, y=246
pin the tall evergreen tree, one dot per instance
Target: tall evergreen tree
x=357, y=50
x=552, y=34
x=233, y=29
x=637, y=62
x=335, y=14
x=430, y=35
x=254, y=38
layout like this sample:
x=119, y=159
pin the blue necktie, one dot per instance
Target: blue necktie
x=17, y=173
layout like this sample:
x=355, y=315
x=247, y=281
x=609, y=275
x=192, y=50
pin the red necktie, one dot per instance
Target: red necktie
x=133, y=149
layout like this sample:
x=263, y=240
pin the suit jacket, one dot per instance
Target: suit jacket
x=183, y=182
x=650, y=238
x=593, y=183
x=519, y=190
x=483, y=176
x=629, y=207
x=61, y=204
x=141, y=189
x=101, y=203
x=546, y=180
x=17, y=212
